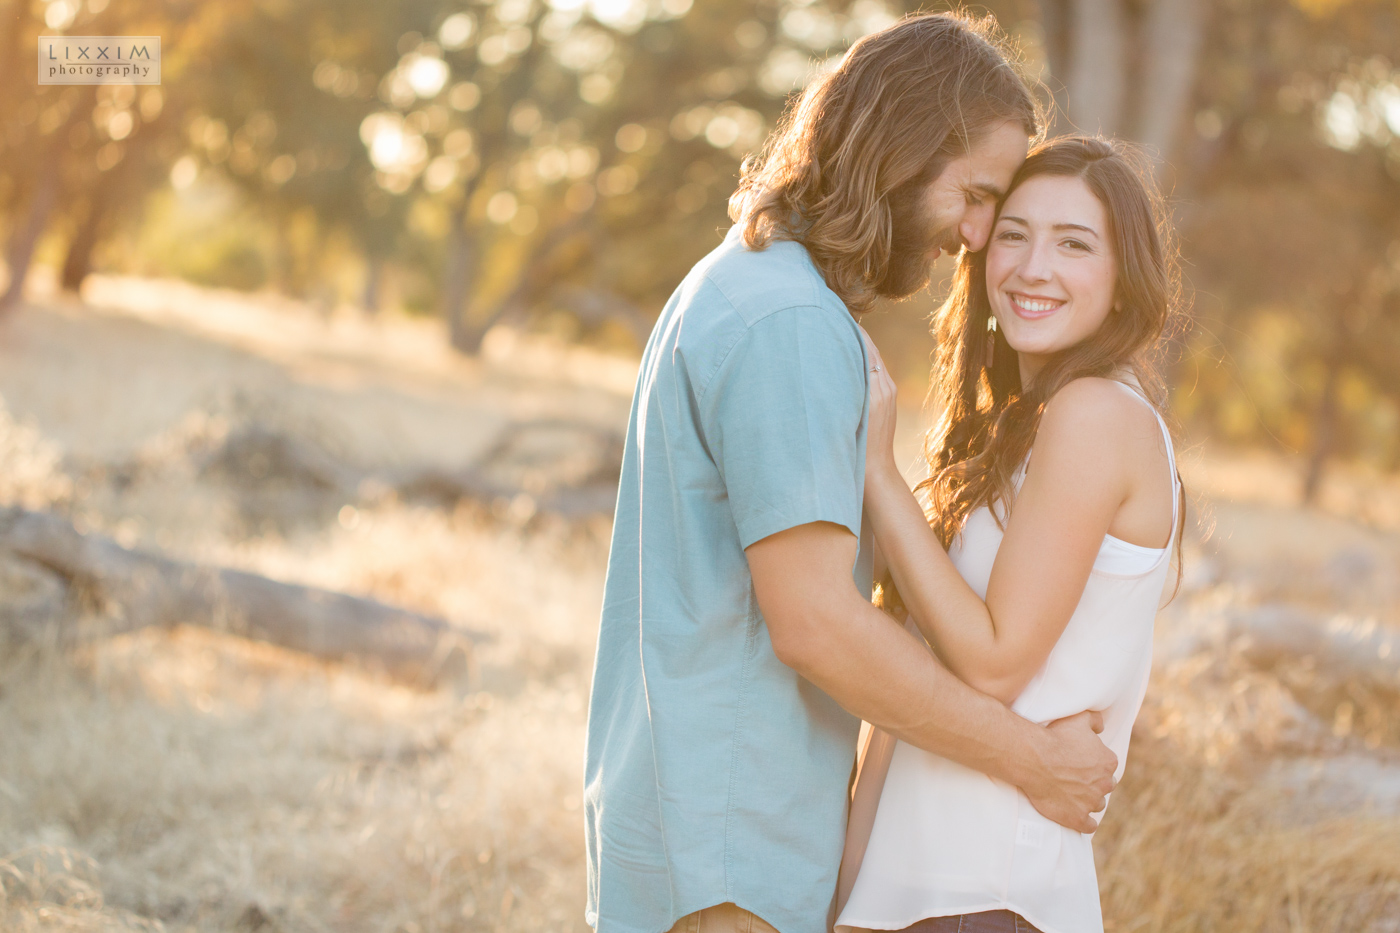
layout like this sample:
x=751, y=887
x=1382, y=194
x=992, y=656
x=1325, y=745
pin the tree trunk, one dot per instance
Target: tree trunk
x=286, y=272
x=1098, y=70
x=108, y=195
x=46, y=188
x=144, y=590
x=534, y=280
x=1324, y=431
x=468, y=338
x=14, y=64
x=78, y=263
x=374, y=283
x=1057, y=45
x=593, y=306
x=25, y=238
x=1173, y=30
x=458, y=281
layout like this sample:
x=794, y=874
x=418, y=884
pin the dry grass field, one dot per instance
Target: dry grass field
x=190, y=780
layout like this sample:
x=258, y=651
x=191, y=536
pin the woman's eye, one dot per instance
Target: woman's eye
x=1010, y=235
x=1076, y=244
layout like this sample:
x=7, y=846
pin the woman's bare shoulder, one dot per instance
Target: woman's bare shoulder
x=1097, y=415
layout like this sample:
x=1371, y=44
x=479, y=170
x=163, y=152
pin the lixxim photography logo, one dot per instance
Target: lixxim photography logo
x=99, y=59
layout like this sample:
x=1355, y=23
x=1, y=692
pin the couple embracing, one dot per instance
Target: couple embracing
x=1007, y=650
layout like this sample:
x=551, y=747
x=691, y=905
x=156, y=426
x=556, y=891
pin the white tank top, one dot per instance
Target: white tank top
x=948, y=840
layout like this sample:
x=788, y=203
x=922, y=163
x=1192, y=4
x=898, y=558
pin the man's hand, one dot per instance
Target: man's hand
x=1073, y=772
x=826, y=631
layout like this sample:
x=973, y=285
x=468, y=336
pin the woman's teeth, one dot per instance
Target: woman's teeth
x=1036, y=307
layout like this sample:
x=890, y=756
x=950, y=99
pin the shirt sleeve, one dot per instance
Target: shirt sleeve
x=784, y=418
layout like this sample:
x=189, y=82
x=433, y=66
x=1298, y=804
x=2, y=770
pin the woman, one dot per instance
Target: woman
x=1053, y=486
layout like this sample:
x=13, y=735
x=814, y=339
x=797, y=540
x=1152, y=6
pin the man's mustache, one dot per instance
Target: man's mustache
x=949, y=241
x=950, y=245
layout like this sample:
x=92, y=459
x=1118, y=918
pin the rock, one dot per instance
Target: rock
x=1339, y=785
x=1340, y=647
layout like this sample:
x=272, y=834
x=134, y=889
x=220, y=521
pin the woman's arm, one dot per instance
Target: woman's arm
x=1078, y=479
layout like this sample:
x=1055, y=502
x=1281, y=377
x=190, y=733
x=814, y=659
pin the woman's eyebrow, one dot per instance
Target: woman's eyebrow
x=1076, y=227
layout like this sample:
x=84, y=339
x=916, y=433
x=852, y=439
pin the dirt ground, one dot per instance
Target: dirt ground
x=190, y=780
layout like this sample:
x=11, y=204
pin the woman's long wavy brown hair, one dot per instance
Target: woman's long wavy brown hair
x=903, y=102
x=989, y=420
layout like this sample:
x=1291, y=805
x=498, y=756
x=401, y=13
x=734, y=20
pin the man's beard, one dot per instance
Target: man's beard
x=913, y=235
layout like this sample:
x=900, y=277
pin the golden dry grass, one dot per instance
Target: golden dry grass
x=1203, y=835
x=192, y=781
x=1191, y=847
x=214, y=783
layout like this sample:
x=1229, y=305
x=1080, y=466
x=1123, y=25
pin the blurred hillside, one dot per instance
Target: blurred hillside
x=559, y=165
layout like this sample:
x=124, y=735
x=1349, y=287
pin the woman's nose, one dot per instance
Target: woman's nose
x=1037, y=266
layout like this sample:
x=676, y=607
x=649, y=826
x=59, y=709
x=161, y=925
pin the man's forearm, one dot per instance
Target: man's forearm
x=880, y=672
x=823, y=629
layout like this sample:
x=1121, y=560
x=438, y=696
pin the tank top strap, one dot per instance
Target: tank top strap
x=1138, y=394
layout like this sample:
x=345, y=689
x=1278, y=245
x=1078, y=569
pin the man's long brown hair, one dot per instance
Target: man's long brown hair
x=903, y=103
x=989, y=420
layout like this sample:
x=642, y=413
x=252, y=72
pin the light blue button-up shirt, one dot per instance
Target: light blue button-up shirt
x=714, y=772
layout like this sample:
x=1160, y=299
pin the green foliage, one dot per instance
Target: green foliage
x=205, y=236
x=573, y=158
x=1292, y=227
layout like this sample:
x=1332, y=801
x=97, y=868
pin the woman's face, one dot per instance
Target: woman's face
x=1051, y=270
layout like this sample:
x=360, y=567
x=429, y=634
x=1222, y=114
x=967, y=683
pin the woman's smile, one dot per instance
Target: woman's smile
x=1033, y=307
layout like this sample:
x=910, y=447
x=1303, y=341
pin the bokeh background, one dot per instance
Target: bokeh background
x=353, y=300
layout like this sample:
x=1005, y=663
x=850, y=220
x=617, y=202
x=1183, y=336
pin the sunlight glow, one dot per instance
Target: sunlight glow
x=584, y=49
x=622, y=15
x=427, y=75
x=784, y=71
x=121, y=124
x=60, y=14
x=392, y=147
x=456, y=31
x=502, y=207
x=184, y=173
x=1341, y=124
x=441, y=172
x=1386, y=101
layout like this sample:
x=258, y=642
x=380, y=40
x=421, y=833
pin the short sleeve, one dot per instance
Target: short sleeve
x=784, y=419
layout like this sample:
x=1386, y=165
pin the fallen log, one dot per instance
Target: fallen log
x=552, y=466
x=1341, y=648
x=573, y=502
x=139, y=590
x=31, y=597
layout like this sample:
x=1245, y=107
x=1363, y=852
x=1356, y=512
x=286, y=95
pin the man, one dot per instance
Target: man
x=739, y=648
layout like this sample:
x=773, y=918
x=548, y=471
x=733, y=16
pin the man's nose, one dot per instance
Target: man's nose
x=976, y=227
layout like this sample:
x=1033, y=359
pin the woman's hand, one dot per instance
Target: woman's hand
x=880, y=423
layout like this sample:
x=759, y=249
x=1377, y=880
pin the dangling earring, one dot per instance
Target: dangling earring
x=991, y=340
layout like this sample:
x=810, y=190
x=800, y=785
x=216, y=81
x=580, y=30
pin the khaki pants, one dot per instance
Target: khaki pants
x=723, y=918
